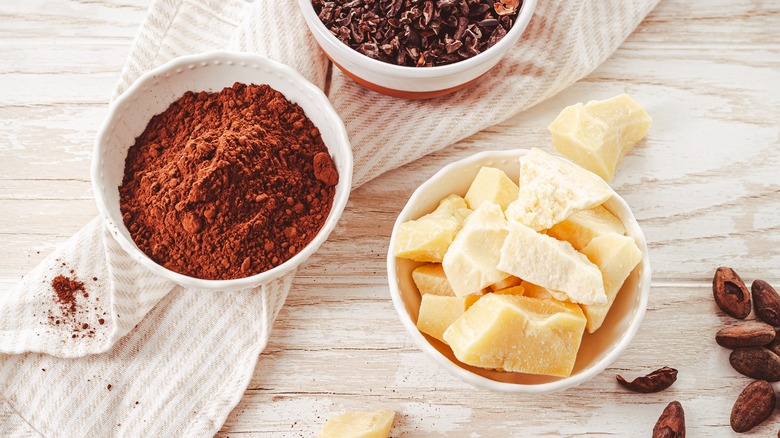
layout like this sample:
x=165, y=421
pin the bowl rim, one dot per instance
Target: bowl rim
x=317, y=26
x=484, y=382
x=240, y=59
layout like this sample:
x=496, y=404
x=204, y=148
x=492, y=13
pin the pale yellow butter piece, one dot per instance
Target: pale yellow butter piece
x=491, y=185
x=375, y=424
x=624, y=114
x=470, y=262
x=514, y=290
x=426, y=239
x=552, y=264
x=430, y=279
x=508, y=282
x=517, y=333
x=616, y=256
x=581, y=227
x=598, y=135
x=437, y=313
x=536, y=291
x=552, y=190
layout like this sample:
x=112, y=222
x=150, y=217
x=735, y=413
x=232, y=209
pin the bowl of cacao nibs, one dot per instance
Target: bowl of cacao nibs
x=416, y=49
x=221, y=170
x=519, y=271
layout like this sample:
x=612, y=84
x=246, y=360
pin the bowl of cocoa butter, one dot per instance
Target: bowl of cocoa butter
x=221, y=171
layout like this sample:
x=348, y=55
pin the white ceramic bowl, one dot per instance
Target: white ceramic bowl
x=154, y=91
x=413, y=82
x=597, y=351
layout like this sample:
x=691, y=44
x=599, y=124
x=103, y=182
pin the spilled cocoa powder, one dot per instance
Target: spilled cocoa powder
x=66, y=291
x=70, y=294
x=228, y=184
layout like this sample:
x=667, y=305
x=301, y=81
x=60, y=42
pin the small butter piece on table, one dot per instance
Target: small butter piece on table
x=430, y=279
x=552, y=264
x=491, y=185
x=598, y=135
x=517, y=333
x=616, y=256
x=375, y=424
x=437, y=313
x=470, y=262
x=426, y=239
x=581, y=227
x=552, y=190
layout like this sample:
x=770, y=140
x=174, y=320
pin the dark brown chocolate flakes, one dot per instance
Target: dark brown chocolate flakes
x=418, y=33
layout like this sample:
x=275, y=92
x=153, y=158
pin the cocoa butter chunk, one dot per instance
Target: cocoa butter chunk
x=730, y=293
x=767, y=302
x=756, y=362
x=656, y=381
x=671, y=424
x=754, y=405
x=749, y=334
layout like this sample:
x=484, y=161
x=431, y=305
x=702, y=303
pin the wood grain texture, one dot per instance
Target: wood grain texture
x=705, y=187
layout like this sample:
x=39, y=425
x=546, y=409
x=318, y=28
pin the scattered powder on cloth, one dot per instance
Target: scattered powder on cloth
x=74, y=310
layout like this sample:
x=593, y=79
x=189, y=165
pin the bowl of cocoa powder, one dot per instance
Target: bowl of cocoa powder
x=416, y=49
x=221, y=170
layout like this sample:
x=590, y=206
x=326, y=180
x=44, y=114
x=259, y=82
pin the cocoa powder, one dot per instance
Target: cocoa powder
x=227, y=185
x=70, y=294
x=67, y=290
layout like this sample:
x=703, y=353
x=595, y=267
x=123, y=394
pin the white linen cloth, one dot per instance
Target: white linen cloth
x=178, y=361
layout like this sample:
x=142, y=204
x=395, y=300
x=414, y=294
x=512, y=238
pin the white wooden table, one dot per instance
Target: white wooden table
x=705, y=187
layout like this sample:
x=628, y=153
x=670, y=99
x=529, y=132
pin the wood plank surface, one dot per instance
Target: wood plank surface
x=704, y=186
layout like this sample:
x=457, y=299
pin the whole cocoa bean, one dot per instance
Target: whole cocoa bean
x=671, y=424
x=749, y=334
x=756, y=362
x=753, y=406
x=730, y=293
x=658, y=380
x=767, y=302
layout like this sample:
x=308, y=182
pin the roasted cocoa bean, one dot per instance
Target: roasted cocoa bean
x=753, y=406
x=730, y=293
x=671, y=424
x=658, y=380
x=767, y=302
x=756, y=362
x=749, y=334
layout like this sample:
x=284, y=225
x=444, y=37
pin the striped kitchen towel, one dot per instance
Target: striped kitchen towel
x=166, y=361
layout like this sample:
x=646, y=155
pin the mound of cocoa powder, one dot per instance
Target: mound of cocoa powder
x=66, y=290
x=227, y=185
x=73, y=312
